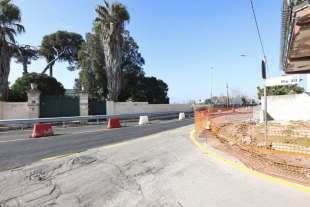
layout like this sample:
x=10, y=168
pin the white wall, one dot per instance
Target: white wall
x=1, y=110
x=11, y=110
x=143, y=107
x=308, y=83
x=289, y=107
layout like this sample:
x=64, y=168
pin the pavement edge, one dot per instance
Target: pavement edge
x=247, y=170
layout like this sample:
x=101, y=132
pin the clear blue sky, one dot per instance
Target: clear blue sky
x=180, y=40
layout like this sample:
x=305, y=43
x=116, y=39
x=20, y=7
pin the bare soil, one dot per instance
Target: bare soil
x=235, y=135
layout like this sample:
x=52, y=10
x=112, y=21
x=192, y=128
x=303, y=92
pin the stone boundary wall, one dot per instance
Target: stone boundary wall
x=143, y=107
x=14, y=110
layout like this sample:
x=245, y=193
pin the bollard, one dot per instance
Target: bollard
x=181, y=116
x=143, y=120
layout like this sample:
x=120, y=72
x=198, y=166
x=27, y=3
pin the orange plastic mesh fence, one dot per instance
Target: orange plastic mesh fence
x=204, y=116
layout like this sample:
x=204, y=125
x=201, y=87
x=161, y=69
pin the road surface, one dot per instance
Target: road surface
x=164, y=169
x=17, y=149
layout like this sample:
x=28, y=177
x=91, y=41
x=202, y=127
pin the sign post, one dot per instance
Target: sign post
x=276, y=81
x=265, y=100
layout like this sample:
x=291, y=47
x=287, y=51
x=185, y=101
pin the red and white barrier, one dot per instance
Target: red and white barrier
x=42, y=130
x=114, y=123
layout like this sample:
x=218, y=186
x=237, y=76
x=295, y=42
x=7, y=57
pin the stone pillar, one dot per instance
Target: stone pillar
x=83, y=104
x=33, y=102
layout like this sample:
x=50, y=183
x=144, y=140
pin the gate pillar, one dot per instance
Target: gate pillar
x=33, y=101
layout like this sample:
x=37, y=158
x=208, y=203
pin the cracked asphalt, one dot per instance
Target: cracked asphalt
x=164, y=169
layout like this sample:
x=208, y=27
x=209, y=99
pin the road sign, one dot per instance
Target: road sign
x=283, y=80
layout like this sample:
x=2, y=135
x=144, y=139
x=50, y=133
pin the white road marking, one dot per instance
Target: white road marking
x=14, y=140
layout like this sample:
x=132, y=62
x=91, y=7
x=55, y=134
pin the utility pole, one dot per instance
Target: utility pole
x=227, y=93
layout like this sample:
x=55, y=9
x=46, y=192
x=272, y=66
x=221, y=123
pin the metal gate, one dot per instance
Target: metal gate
x=96, y=107
x=59, y=106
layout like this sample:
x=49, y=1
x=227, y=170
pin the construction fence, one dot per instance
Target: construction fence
x=240, y=130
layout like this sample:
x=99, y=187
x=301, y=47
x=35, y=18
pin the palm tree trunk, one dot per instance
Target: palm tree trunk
x=5, y=59
x=113, y=58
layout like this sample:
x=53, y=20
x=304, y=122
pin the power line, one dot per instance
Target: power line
x=258, y=30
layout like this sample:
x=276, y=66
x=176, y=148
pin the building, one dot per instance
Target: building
x=295, y=40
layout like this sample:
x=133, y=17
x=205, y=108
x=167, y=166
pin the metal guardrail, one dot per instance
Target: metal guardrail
x=87, y=118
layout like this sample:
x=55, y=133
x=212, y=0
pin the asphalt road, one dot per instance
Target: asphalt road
x=17, y=149
x=161, y=170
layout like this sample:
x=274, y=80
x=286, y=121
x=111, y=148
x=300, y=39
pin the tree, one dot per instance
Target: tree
x=135, y=86
x=244, y=100
x=131, y=56
x=110, y=25
x=61, y=46
x=10, y=26
x=24, y=55
x=280, y=90
x=132, y=71
x=92, y=63
x=46, y=85
x=155, y=90
x=93, y=74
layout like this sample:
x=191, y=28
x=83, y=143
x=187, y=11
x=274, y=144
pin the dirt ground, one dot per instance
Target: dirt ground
x=235, y=135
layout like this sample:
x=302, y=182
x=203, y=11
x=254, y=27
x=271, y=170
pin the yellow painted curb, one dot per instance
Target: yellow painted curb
x=114, y=145
x=59, y=156
x=247, y=170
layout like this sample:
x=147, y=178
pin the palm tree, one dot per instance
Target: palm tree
x=10, y=26
x=110, y=25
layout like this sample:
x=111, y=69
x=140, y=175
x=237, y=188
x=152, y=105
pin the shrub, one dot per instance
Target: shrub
x=46, y=85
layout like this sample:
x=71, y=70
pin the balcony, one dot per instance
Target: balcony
x=295, y=57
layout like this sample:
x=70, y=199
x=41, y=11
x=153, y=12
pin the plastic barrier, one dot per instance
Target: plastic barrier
x=114, y=123
x=181, y=116
x=42, y=130
x=143, y=120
